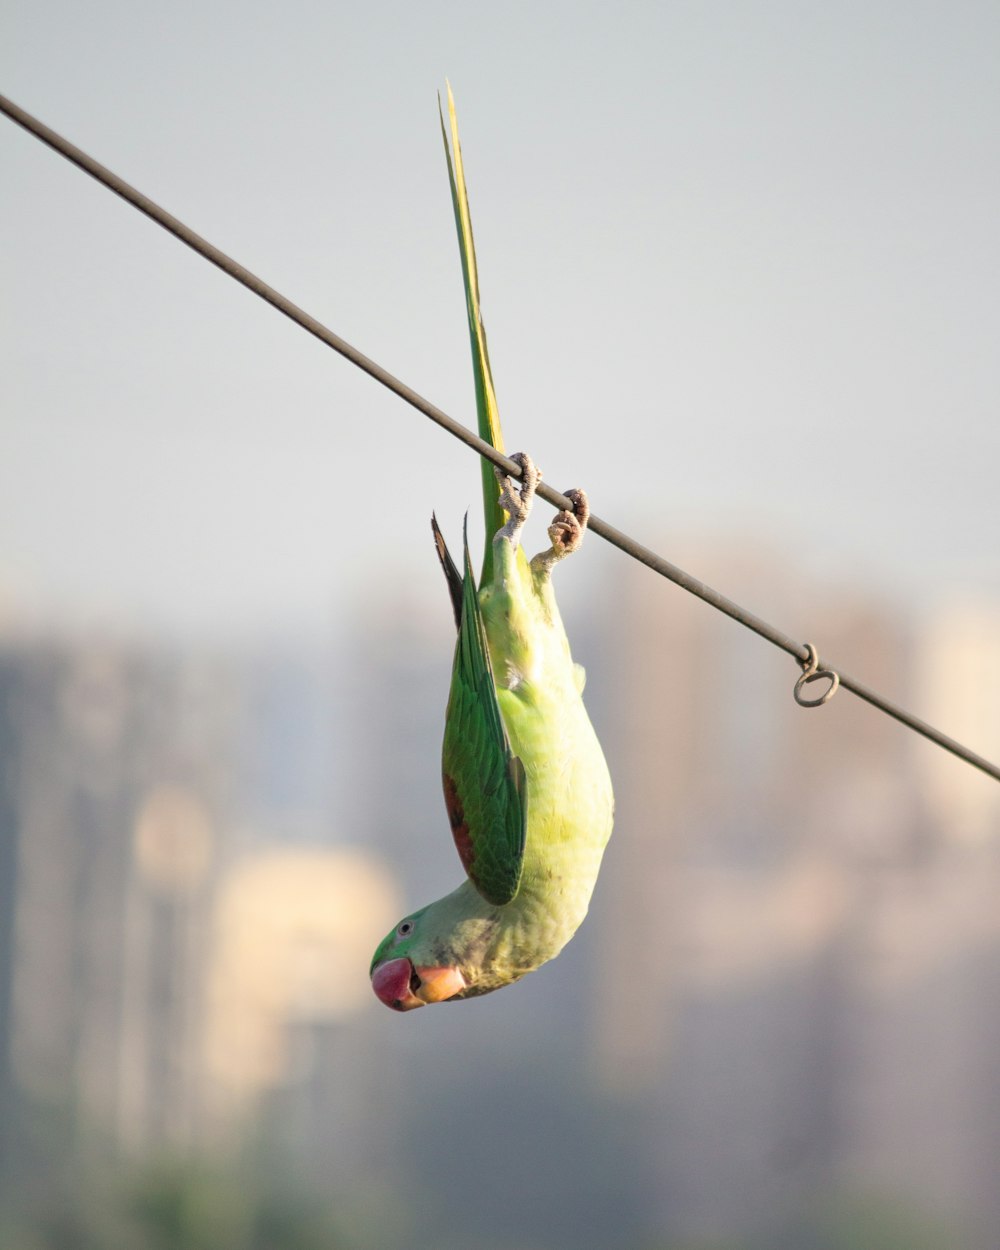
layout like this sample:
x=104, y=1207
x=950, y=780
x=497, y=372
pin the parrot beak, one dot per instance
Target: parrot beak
x=391, y=983
x=401, y=986
x=437, y=984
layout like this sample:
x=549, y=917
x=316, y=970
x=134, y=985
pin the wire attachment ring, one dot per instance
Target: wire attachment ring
x=811, y=671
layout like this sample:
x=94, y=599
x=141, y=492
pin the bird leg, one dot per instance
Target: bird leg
x=516, y=501
x=565, y=533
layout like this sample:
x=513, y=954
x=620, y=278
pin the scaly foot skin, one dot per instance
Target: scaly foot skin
x=516, y=500
x=566, y=532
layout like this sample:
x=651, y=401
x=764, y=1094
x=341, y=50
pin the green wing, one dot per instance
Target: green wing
x=484, y=783
x=486, y=400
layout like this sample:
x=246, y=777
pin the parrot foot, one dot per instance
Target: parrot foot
x=565, y=532
x=517, y=501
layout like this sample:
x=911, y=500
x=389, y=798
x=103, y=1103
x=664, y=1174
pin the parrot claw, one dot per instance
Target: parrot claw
x=565, y=532
x=516, y=501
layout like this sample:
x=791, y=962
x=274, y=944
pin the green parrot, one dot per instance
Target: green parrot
x=526, y=786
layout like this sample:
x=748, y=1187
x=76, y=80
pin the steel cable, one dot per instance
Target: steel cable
x=803, y=653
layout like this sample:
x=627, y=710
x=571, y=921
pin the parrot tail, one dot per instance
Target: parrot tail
x=486, y=403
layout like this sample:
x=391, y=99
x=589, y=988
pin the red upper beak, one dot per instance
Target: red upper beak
x=391, y=982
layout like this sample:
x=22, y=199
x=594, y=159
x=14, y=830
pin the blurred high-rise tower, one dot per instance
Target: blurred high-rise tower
x=772, y=874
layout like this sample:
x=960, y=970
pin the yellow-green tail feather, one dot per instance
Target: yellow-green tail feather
x=486, y=402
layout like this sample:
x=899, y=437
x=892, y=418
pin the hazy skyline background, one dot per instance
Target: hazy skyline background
x=740, y=275
x=740, y=272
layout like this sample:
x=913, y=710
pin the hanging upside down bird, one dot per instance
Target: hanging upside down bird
x=526, y=787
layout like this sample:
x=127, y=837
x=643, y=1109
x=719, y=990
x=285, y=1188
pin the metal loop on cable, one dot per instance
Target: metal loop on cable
x=811, y=671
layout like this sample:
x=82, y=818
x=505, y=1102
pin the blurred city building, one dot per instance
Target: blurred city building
x=178, y=910
x=789, y=987
x=799, y=931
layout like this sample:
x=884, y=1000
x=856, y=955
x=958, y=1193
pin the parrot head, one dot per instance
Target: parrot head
x=410, y=970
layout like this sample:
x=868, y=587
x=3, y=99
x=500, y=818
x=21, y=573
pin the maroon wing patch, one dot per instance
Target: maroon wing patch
x=459, y=825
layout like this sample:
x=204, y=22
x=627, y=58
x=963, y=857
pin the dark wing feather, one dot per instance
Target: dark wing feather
x=484, y=782
x=451, y=573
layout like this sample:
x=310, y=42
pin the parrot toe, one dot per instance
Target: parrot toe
x=565, y=533
x=516, y=500
x=581, y=505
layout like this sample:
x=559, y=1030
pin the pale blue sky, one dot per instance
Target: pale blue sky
x=740, y=268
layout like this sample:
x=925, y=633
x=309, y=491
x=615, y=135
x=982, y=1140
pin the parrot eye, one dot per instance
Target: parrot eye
x=404, y=928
